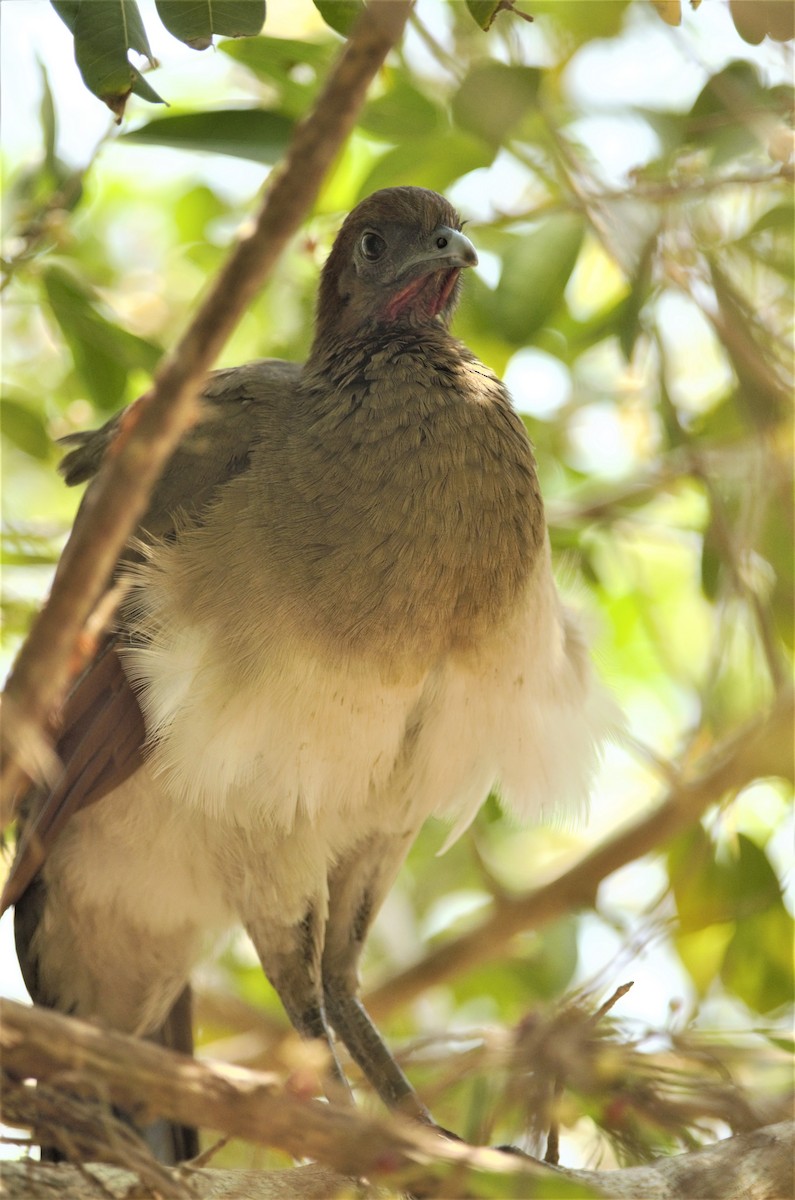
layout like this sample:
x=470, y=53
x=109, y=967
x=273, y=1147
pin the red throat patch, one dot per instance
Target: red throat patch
x=428, y=294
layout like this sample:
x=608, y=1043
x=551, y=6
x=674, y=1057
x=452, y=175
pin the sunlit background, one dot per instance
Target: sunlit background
x=629, y=523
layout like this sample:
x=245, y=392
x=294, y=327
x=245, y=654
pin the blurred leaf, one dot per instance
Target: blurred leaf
x=582, y=20
x=757, y=886
x=494, y=97
x=477, y=323
x=194, y=210
x=767, y=397
x=243, y=133
x=196, y=22
x=755, y=20
x=103, y=353
x=711, y=562
x=25, y=428
x=340, y=15
x=534, y=276
x=551, y=965
x=28, y=549
x=703, y=887
x=629, y=326
x=295, y=68
x=770, y=240
x=725, y=115
x=710, y=889
x=484, y=11
x=702, y=952
x=758, y=963
x=669, y=10
x=402, y=107
x=432, y=162
x=275, y=57
x=16, y=615
x=776, y=545
x=49, y=125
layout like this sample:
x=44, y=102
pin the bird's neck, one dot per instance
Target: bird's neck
x=412, y=490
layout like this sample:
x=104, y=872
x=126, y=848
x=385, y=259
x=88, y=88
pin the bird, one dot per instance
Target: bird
x=340, y=618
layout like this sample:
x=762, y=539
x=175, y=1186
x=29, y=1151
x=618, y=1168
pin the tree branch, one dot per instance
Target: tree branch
x=149, y=1081
x=763, y=747
x=118, y=496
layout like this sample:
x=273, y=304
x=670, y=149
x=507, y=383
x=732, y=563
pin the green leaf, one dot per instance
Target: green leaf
x=534, y=275
x=28, y=549
x=703, y=888
x=494, y=97
x=484, y=11
x=758, y=963
x=49, y=124
x=340, y=15
x=432, y=162
x=580, y=21
x=477, y=323
x=140, y=87
x=713, y=120
x=196, y=22
x=240, y=132
x=103, y=353
x=711, y=562
x=194, y=210
x=770, y=240
x=67, y=10
x=104, y=30
x=629, y=326
x=710, y=889
x=24, y=428
x=402, y=107
x=296, y=68
x=135, y=34
x=702, y=952
x=756, y=885
x=274, y=58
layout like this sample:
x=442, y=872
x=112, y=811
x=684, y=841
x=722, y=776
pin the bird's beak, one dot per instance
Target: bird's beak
x=446, y=248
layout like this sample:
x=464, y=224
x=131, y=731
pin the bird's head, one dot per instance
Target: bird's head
x=395, y=263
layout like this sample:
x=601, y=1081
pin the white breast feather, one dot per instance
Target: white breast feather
x=299, y=735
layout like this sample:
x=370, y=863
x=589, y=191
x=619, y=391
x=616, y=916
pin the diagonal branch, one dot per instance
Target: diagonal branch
x=154, y=425
x=761, y=748
x=148, y=1080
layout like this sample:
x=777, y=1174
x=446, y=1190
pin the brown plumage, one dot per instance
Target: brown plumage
x=341, y=620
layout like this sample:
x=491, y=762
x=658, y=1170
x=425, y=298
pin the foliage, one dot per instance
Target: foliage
x=643, y=321
x=105, y=30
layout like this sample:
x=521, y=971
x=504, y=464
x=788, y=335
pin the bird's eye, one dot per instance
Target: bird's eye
x=441, y=242
x=373, y=246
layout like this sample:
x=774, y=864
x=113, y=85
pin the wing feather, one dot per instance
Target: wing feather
x=101, y=728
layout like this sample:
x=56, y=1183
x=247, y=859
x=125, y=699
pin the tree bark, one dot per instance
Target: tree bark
x=63, y=1053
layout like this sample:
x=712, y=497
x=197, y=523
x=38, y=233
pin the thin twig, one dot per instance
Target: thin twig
x=140, y=1076
x=611, y=1001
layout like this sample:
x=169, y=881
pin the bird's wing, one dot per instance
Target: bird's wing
x=213, y=451
x=101, y=730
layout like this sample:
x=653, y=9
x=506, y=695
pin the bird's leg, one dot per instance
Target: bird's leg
x=356, y=889
x=290, y=956
x=368, y=1049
